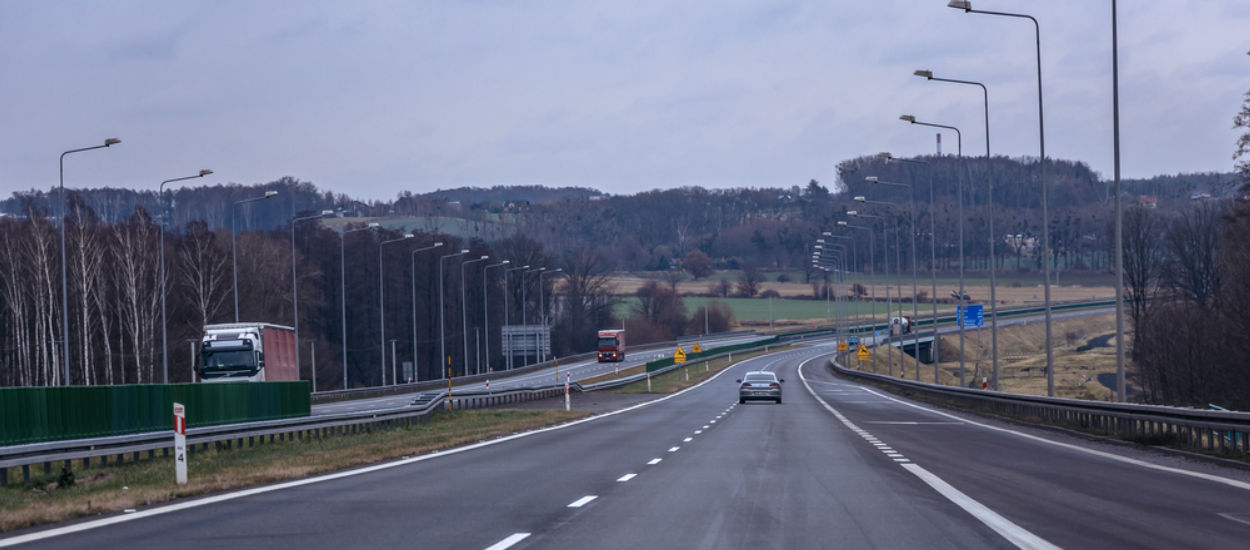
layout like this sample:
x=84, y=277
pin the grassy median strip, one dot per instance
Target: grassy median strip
x=696, y=371
x=51, y=499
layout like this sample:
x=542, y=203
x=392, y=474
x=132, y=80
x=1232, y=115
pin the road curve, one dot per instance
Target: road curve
x=838, y=465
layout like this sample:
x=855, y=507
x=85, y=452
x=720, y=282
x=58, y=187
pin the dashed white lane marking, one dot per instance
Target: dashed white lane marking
x=508, y=542
x=1209, y=477
x=626, y=477
x=582, y=501
x=654, y=461
x=705, y=427
x=687, y=440
x=673, y=449
x=1015, y=534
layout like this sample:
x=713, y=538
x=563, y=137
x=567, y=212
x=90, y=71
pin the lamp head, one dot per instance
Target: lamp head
x=436, y=245
x=270, y=194
x=327, y=212
x=372, y=225
x=111, y=141
x=464, y=251
x=852, y=212
x=908, y=118
x=484, y=256
x=841, y=223
x=407, y=235
x=925, y=73
x=505, y=262
x=859, y=198
x=960, y=5
x=871, y=179
x=885, y=155
x=205, y=172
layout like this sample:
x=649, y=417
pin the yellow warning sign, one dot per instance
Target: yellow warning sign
x=862, y=353
x=841, y=345
x=679, y=356
x=697, y=348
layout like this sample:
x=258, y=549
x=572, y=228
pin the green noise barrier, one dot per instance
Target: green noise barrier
x=29, y=415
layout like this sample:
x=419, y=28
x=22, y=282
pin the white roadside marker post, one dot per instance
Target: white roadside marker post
x=180, y=443
x=566, y=391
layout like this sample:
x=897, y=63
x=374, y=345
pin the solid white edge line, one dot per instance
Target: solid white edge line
x=179, y=506
x=626, y=477
x=508, y=542
x=582, y=501
x=1209, y=477
x=1017, y=535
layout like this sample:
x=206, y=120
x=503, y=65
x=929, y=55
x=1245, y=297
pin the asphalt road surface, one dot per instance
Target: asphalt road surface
x=574, y=371
x=838, y=465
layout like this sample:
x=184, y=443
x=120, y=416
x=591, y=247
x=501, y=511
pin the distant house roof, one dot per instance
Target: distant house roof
x=1148, y=201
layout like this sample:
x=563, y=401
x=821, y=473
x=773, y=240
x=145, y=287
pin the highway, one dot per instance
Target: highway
x=839, y=464
x=575, y=371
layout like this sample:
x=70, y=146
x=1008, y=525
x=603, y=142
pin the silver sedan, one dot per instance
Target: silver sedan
x=760, y=385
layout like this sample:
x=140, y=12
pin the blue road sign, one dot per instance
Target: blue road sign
x=972, y=316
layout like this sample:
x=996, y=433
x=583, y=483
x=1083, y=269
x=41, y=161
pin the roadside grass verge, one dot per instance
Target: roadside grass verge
x=100, y=491
x=698, y=371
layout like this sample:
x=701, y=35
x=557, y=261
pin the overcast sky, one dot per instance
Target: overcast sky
x=372, y=98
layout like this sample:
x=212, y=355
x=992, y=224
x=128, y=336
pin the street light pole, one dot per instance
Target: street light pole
x=464, y=311
x=507, y=360
x=525, y=318
x=295, y=280
x=915, y=307
x=542, y=301
x=989, y=207
x=343, y=289
x=234, y=245
x=1119, y=214
x=960, y=205
x=382, y=311
x=854, y=260
x=64, y=273
x=444, y=367
x=885, y=244
x=164, y=219
x=416, y=370
x=486, y=309
x=1041, y=130
x=872, y=256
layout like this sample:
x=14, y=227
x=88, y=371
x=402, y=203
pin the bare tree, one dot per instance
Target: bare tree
x=86, y=260
x=588, y=304
x=749, y=281
x=203, y=269
x=1192, y=242
x=1143, y=258
x=135, y=248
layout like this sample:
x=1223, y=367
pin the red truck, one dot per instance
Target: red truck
x=248, y=352
x=611, y=345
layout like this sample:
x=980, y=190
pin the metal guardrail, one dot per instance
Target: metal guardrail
x=228, y=436
x=1211, y=431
